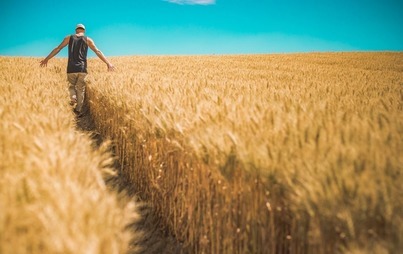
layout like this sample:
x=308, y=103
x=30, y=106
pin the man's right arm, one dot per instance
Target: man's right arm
x=98, y=52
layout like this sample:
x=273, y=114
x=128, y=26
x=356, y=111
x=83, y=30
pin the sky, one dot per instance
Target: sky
x=194, y=27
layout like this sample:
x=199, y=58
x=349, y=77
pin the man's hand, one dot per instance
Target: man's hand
x=44, y=63
x=110, y=67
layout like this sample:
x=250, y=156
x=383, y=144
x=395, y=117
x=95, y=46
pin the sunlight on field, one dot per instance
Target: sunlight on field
x=53, y=198
x=295, y=153
x=281, y=152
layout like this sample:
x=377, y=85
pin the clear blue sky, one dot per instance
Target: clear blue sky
x=158, y=27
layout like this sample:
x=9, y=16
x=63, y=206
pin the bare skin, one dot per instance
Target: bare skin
x=91, y=45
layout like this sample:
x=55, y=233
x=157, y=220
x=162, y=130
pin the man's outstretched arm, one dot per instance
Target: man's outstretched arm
x=56, y=50
x=98, y=52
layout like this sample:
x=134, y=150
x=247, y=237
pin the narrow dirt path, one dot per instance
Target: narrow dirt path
x=155, y=240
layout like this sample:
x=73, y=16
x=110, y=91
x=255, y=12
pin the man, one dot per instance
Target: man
x=77, y=64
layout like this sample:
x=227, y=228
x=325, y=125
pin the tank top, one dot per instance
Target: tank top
x=78, y=49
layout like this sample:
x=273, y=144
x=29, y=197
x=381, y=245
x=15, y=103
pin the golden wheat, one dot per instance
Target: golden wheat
x=53, y=198
x=296, y=153
x=286, y=153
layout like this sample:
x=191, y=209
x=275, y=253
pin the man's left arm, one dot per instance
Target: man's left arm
x=55, y=51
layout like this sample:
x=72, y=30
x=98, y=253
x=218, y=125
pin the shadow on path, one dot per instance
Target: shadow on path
x=154, y=240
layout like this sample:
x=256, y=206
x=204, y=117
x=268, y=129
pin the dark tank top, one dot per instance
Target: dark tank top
x=78, y=49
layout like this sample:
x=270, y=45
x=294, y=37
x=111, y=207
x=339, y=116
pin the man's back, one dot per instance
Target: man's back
x=78, y=48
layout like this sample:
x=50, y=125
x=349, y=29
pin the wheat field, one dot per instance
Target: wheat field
x=53, y=198
x=286, y=153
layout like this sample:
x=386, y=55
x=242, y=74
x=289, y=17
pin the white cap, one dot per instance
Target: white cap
x=80, y=26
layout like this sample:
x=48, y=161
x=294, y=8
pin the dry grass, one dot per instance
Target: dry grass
x=53, y=198
x=248, y=154
x=265, y=153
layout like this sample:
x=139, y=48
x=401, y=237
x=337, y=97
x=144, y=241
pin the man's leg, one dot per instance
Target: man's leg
x=72, y=79
x=80, y=88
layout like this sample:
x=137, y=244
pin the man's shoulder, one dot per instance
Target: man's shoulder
x=90, y=41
